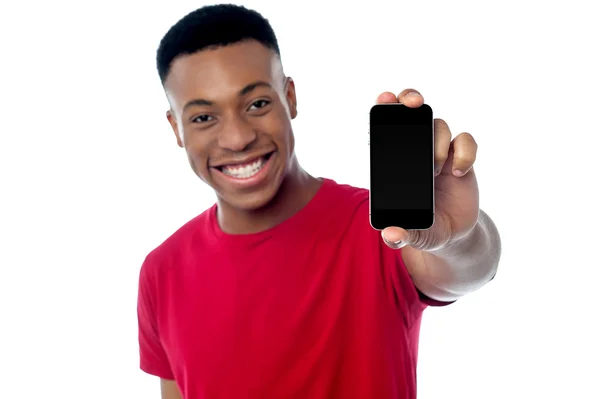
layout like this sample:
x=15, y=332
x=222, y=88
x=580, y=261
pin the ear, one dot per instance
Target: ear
x=173, y=123
x=290, y=94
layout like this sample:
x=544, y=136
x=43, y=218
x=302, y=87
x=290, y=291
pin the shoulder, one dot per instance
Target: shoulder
x=179, y=245
x=346, y=207
x=346, y=197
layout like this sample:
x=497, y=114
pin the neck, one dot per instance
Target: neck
x=295, y=192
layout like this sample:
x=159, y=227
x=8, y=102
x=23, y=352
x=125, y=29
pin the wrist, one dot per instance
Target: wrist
x=466, y=243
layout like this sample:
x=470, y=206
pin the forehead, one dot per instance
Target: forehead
x=218, y=74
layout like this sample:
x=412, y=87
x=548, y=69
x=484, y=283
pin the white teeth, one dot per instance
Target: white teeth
x=244, y=172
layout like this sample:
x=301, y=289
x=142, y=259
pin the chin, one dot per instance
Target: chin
x=254, y=201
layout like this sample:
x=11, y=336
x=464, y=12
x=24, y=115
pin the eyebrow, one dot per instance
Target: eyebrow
x=247, y=89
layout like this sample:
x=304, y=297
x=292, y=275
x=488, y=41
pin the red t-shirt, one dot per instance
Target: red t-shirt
x=317, y=307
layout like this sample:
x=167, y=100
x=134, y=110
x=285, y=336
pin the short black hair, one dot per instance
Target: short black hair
x=209, y=27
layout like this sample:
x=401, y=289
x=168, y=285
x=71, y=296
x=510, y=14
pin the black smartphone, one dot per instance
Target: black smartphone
x=402, y=167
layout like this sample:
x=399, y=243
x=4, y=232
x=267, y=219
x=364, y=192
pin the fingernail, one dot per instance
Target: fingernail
x=457, y=172
x=396, y=244
x=413, y=94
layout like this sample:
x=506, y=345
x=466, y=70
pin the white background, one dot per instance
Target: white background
x=92, y=179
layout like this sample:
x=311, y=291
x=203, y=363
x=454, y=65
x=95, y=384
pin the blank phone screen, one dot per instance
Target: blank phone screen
x=401, y=165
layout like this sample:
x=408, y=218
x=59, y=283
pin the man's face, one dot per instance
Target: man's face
x=231, y=109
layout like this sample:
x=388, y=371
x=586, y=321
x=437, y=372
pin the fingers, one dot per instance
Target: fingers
x=465, y=153
x=386, y=98
x=395, y=237
x=409, y=97
x=463, y=147
x=442, y=139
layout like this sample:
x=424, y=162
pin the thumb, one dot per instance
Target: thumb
x=395, y=237
x=424, y=240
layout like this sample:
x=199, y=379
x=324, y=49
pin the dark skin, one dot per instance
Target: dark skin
x=219, y=114
x=239, y=120
x=234, y=103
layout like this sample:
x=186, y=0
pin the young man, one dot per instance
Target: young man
x=282, y=289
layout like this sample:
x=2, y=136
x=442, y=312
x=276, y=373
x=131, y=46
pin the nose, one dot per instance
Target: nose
x=237, y=134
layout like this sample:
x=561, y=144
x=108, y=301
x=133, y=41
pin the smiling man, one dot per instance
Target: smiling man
x=282, y=289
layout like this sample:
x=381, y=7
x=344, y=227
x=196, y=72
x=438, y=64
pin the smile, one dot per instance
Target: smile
x=249, y=174
x=246, y=170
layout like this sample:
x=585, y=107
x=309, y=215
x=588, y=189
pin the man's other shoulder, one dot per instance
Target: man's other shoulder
x=347, y=196
x=345, y=206
x=185, y=241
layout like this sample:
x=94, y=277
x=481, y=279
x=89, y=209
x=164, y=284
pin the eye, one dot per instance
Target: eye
x=260, y=104
x=202, y=119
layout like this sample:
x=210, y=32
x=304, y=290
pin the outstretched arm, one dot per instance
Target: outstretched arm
x=461, y=251
x=458, y=268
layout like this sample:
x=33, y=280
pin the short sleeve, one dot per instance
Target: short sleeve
x=427, y=301
x=153, y=358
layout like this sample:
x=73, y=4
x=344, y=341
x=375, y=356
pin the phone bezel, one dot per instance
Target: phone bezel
x=408, y=219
